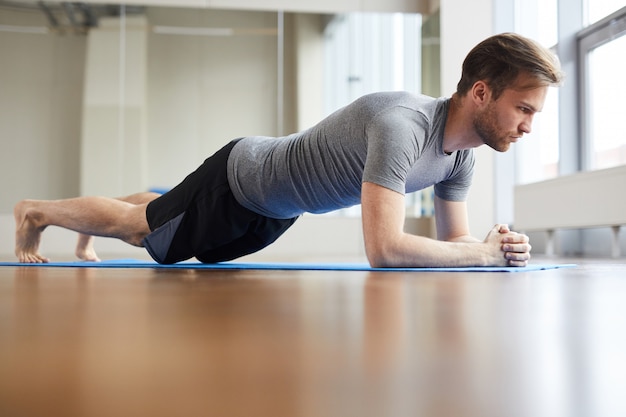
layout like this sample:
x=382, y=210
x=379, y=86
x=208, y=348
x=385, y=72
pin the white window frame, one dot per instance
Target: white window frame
x=590, y=38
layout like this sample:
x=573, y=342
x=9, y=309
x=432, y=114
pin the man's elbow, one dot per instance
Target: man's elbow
x=379, y=256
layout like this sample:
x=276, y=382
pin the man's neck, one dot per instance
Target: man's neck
x=459, y=132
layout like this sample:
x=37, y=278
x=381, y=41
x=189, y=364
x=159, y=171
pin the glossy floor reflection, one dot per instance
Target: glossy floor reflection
x=101, y=342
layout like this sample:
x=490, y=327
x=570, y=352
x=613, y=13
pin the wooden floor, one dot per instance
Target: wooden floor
x=140, y=342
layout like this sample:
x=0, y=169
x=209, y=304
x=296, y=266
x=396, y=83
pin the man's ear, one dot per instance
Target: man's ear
x=481, y=93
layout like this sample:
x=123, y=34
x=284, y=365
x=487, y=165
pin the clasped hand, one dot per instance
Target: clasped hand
x=510, y=248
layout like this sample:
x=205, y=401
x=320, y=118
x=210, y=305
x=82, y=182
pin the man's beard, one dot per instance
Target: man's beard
x=486, y=126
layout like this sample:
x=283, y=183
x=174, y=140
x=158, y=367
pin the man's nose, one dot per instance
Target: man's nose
x=526, y=125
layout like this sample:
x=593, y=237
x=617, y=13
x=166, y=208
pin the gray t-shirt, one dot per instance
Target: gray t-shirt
x=393, y=139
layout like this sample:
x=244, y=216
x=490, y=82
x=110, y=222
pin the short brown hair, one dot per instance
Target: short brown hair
x=501, y=59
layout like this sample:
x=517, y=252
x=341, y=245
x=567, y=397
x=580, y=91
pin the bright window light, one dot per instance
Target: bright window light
x=607, y=66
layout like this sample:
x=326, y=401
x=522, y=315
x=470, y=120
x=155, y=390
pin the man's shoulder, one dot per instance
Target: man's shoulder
x=427, y=106
x=393, y=97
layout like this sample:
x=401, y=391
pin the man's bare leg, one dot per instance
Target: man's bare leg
x=95, y=216
x=85, y=245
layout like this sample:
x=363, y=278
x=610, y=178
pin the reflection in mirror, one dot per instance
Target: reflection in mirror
x=115, y=99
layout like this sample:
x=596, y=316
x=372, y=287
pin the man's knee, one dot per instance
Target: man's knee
x=136, y=225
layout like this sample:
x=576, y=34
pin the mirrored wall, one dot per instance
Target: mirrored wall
x=115, y=99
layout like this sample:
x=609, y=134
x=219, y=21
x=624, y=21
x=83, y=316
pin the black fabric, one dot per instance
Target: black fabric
x=201, y=218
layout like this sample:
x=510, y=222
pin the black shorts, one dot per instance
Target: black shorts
x=201, y=218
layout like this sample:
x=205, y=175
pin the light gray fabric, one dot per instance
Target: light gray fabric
x=393, y=139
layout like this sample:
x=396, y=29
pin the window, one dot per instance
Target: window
x=369, y=52
x=599, y=9
x=537, y=155
x=606, y=106
x=547, y=33
x=595, y=140
x=602, y=48
x=547, y=123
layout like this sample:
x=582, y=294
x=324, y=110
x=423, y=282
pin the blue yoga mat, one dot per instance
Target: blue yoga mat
x=289, y=266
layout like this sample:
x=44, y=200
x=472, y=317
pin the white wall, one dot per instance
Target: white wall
x=309, y=75
x=40, y=111
x=205, y=91
x=183, y=96
x=114, y=130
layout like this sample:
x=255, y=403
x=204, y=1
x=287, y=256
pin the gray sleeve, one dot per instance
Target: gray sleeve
x=393, y=147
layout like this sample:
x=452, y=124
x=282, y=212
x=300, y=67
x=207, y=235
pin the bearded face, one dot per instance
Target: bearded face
x=488, y=127
x=502, y=121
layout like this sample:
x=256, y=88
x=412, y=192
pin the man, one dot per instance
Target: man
x=371, y=152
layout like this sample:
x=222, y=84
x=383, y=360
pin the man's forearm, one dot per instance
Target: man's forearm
x=465, y=239
x=500, y=248
x=417, y=251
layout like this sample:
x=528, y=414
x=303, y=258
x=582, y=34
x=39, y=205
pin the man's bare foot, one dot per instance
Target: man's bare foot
x=85, y=249
x=28, y=229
